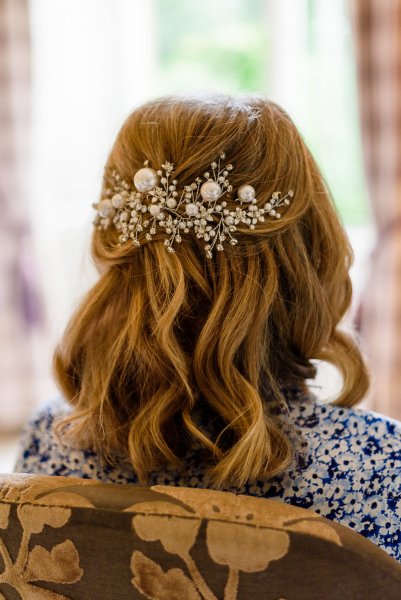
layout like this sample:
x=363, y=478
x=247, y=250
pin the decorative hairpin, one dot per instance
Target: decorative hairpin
x=201, y=206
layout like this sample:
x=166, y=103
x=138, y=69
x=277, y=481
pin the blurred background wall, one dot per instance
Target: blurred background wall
x=71, y=71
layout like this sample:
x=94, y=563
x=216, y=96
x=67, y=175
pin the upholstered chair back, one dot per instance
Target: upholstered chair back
x=76, y=539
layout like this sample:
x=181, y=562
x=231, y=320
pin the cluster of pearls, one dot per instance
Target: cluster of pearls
x=201, y=206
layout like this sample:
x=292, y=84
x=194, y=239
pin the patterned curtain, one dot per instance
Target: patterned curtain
x=377, y=32
x=19, y=312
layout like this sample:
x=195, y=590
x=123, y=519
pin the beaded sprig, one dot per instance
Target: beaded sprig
x=202, y=206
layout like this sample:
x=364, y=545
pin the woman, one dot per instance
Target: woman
x=223, y=275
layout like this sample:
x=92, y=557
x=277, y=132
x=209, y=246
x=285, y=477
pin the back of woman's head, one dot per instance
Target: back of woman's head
x=161, y=333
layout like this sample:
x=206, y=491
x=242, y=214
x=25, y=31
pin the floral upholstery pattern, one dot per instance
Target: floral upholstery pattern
x=76, y=539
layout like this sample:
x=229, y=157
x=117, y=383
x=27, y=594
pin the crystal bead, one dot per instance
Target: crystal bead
x=191, y=209
x=105, y=208
x=154, y=209
x=171, y=202
x=118, y=201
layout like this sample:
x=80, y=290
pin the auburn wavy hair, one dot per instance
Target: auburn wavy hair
x=160, y=334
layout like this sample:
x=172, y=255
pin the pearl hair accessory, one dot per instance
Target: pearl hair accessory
x=201, y=206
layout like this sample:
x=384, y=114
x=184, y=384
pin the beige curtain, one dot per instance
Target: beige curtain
x=19, y=311
x=377, y=32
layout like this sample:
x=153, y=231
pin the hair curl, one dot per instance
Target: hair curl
x=161, y=333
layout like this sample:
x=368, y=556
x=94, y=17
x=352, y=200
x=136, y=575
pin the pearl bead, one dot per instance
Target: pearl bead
x=230, y=220
x=191, y=209
x=105, y=208
x=118, y=201
x=210, y=191
x=154, y=209
x=171, y=202
x=145, y=179
x=246, y=193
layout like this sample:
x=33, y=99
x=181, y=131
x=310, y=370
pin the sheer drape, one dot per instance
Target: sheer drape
x=92, y=62
x=19, y=311
x=377, y=30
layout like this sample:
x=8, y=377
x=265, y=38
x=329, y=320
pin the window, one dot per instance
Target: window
x=297, y=52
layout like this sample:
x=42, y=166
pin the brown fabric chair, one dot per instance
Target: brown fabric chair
x=67, y=538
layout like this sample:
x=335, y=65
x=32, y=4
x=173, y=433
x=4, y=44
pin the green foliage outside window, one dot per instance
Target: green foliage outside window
x=226, y=46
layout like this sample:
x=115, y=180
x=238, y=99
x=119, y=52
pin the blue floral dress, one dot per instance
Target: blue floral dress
x=350, y=473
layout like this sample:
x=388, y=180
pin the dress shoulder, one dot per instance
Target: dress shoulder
x=39, y=448
x=332, y=422
x=351, y=473
x=352, y=444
